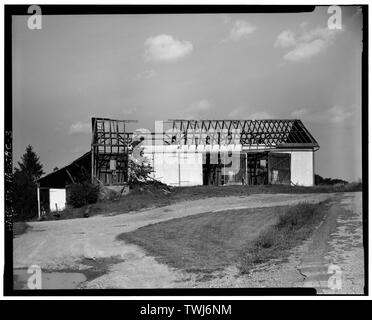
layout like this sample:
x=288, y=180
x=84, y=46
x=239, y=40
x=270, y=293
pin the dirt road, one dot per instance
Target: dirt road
x=333, y=259
x=67, y=250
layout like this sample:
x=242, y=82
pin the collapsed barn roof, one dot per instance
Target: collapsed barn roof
x=274, y=133
x=110, y=139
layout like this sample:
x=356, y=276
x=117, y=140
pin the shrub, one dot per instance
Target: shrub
x=139, y=167
x=297, y=216
x=81, y=194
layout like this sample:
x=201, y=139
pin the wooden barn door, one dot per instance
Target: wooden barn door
x=279, y=168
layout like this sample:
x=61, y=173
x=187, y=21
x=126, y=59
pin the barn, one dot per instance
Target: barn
x=190, y=152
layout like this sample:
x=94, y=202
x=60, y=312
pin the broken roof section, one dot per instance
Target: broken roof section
x=112, y=137
x=271, y=133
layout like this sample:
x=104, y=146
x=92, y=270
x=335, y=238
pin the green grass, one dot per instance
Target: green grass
x=293, y=227
x=152, y=197
x=209, y=242
x=204, y=242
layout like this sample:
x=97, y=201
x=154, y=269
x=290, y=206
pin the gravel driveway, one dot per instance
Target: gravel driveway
x=61, y=245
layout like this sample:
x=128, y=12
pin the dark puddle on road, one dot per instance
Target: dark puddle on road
x=66, y=278
x=49, y=280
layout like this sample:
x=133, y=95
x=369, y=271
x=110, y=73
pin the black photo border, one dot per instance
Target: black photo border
x=11, y=10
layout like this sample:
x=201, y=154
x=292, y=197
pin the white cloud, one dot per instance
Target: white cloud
x=197, y=109
x=338, y=114
x=146, y=74
x=306, y=50
x=245, y=113
x=241, y=29
x=285, y=39
x=129, y=111
x=318, y=33
x=306, y=44
x=260, y=116
x=165, y=48
x=300, y=113
x=335, y=114
x=80, y=128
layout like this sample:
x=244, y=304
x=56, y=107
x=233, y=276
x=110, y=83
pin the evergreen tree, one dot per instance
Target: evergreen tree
x=24, y=185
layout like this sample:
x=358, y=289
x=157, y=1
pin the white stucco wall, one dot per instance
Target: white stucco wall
x=176, y=166
x=166, y=168
x=182, y=166
x=302, y=166
x=57, y=197
x=191, y=169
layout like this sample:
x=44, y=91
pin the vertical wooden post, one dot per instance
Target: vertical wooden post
x=224, y=167
x=248, y=171
x=179, y=169
x=269, y=169
x=257, y=163
x=94, y=129
x=246, y=168
x=38, y=201
x=92, y=163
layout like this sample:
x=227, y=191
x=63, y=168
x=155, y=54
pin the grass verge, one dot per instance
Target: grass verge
x=293, y=227
x=204, y=242
x=209, y=242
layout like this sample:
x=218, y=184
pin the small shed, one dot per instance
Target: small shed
x=52, y=189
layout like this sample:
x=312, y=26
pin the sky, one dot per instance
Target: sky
x=190, y=66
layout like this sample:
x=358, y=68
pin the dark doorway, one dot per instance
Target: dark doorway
x=279, y=168
x=257, y=168
x=268, y=168
x=212, y=168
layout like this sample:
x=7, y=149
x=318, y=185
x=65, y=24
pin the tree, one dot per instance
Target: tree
x=30, y=164
x=319, y=180
x=24, y=185
x=139, y=167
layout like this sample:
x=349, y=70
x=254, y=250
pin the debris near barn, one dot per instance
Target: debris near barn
x=111, y=192
x=151, y=186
